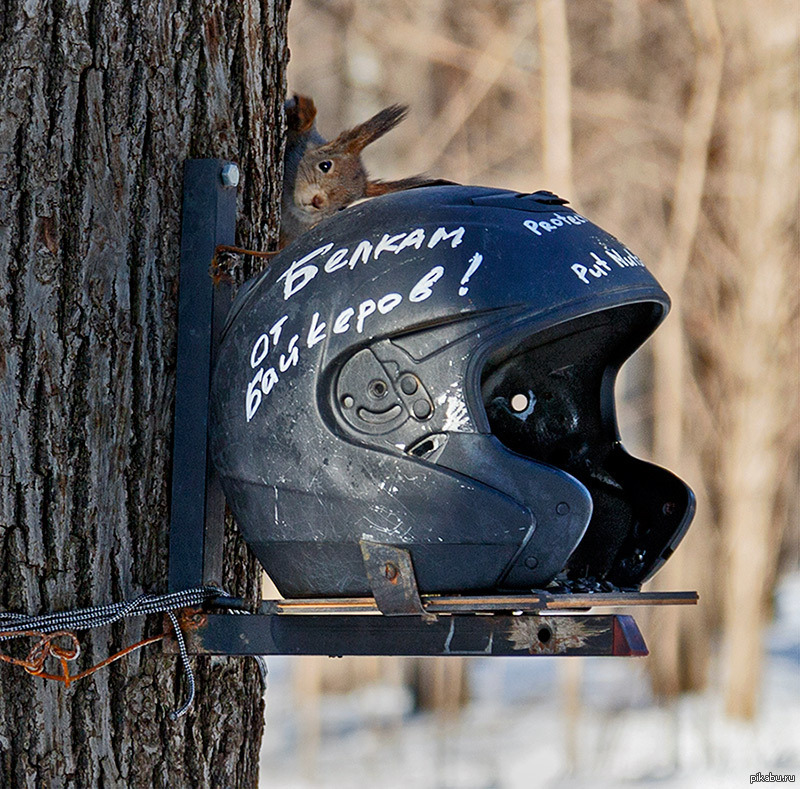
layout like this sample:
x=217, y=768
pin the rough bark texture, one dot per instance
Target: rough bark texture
x=100, y=103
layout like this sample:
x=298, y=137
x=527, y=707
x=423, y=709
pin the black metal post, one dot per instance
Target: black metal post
x=198, y=507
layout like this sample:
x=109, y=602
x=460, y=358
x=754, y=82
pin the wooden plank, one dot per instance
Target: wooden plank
x=532, y=603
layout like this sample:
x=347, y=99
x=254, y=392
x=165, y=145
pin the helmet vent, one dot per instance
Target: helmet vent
x=428, y=446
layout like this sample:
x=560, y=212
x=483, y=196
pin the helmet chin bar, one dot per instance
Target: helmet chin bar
x=560, y=504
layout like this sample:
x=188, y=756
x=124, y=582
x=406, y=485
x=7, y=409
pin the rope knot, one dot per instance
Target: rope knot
x=49, y=628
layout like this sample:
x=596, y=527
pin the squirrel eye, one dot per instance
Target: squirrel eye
x=325, y=166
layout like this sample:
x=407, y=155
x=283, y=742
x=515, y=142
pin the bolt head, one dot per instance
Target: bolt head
x=229, y=175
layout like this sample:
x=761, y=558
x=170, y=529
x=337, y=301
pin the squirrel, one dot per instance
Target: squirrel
x=322, y=177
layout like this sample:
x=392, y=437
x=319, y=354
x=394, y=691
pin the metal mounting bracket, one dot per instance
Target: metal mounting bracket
x=391, y=577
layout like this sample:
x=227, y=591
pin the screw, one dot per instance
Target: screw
x=378, y=388
x=391, y=571
x=229, y=174
x=422, y=409
x=409, y=384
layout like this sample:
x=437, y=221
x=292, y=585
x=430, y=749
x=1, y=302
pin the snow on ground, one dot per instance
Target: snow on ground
x=516, y=732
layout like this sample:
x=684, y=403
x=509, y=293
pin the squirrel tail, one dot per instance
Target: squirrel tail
x=375, y=188
x=300, y=114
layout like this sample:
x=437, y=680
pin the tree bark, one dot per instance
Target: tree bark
x=100, y=104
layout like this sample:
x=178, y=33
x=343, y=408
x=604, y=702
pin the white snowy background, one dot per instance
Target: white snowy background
x=516, y=731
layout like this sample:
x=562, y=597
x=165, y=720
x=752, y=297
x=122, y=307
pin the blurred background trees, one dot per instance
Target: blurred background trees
x=674, y=125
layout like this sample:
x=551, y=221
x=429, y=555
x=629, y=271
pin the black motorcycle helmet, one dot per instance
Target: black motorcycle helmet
x=435, y=369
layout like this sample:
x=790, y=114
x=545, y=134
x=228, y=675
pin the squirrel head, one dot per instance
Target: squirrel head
x=321, y=177
x=331, y=175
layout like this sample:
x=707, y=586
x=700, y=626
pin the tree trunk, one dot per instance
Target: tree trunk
x=100, y=103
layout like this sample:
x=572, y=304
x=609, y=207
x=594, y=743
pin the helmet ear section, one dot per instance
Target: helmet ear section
x=377, y=392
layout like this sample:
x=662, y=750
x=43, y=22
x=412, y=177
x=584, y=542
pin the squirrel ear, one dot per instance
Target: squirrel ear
x=359, y=137
x=300, y=114
x=375, y=188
